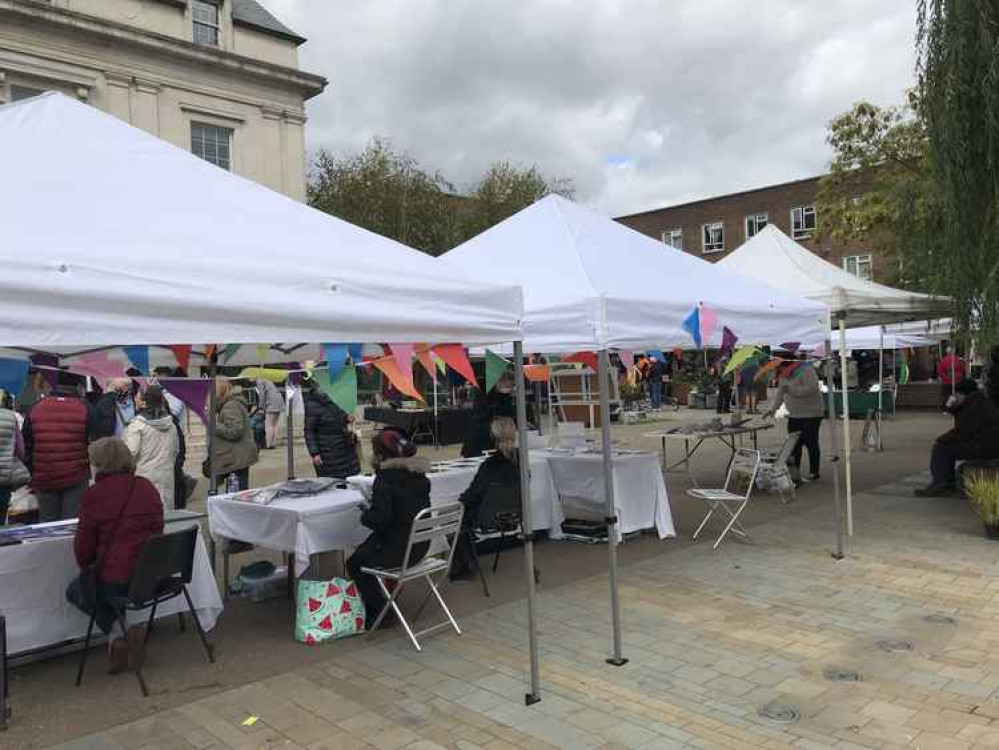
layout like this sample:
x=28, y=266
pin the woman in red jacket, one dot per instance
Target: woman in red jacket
x=117, y=515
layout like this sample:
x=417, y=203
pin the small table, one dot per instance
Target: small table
x=727, y=436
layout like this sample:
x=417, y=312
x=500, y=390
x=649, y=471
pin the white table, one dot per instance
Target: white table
x=305, y=526
x=454, y=477
x=640, y=495
x=33, y=580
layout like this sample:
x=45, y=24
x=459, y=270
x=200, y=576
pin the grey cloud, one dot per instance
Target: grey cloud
x=641, y=102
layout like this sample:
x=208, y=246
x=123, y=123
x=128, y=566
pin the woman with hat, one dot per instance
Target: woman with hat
x=328, y=438
x=400, y=492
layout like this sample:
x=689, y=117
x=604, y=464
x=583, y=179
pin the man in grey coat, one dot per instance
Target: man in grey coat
x=271, y=404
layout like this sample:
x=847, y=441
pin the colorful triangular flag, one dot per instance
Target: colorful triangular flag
x=182, y=352
x=708, y=322
x=495, y=367
x=691, y=324
x=457, y=359
x=139, y=357
x=13, y=375
x=230, y=351
x=403, y=382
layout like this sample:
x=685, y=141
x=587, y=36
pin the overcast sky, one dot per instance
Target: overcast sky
x=642, y=103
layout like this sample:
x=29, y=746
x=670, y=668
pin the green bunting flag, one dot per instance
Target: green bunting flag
x=343, y=390
x=230, y=352
x=740, y=357
x=495, y=367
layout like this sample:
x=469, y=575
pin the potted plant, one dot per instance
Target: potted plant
x=982, y=489
x=631, y=394
x=680, y=386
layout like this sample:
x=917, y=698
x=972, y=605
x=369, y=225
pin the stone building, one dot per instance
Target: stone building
x=217, y=77
x=713, y=227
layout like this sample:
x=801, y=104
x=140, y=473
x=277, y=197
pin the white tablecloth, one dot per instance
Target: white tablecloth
x=446, y=486
x=306, y=526
x=33, y=581
x=639, y=491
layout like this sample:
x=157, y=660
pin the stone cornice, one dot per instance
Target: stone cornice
x=30, y=11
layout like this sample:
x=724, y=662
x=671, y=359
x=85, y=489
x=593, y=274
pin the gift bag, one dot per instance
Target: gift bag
x=328, y=610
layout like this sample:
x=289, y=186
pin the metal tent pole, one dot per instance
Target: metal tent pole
x=881, y=386
x=603, y=372
x=290, y=430
x=834, y=439
x=527, y=524
x=210, y=441
x=846, y=428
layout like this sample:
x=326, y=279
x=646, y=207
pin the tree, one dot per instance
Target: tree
x=387, y=192
x=958, y=67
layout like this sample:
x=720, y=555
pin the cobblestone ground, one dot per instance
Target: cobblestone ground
x=714, y=638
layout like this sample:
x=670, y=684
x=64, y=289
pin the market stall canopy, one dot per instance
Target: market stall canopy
x=592, y=283
x=774, y=258
x=113, y=236
x=936, y=330
x=870, y=337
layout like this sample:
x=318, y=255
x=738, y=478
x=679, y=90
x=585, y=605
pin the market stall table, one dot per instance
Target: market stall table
x=34, y=575
x=450, y=426
x=731, y=437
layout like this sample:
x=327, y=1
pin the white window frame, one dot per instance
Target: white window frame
x=715, y=246
x=803, y=211
x=756, y=220
x=865, y=260
x=673, y=237
x=197, y=23
x=230, y=135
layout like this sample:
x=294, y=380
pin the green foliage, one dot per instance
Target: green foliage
x=983, y=491
x=504, y=190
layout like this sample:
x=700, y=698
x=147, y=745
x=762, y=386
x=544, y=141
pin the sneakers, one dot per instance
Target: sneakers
x=936, y=490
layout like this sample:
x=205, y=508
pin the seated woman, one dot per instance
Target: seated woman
x=400, y=492
x=117, y=515
x=501, y=470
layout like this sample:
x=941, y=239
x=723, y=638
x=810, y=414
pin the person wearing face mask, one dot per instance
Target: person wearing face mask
x=116, y=408
x=498, y=402
x=975, y=437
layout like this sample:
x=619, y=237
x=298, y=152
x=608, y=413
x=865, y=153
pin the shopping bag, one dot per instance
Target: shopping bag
x=328, y=610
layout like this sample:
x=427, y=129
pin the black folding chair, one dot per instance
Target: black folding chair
x=162, y=571
x=500, y=513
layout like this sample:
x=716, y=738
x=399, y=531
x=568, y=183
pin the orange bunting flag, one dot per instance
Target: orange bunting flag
x=427, y=360
x=403, y=381
x=768, y=368
x=209, y=351
x=538, y=373
x=455, y=357
x=183, y=354
x=586, y=358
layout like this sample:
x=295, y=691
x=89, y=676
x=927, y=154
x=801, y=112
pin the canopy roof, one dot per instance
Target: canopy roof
x=773, y=257
x=113, y=236
x=591, y=283
x=870, y=337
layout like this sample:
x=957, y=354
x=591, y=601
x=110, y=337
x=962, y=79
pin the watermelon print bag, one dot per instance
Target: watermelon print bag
x=328, y=610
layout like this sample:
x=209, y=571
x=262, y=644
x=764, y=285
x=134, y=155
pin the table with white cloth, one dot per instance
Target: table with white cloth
x=451, y=478
x=303, y=526
x=640, y=495
x=33, y=579
x=730, y=437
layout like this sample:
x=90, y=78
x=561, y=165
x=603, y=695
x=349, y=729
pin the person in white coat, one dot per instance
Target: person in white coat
x=152, y=438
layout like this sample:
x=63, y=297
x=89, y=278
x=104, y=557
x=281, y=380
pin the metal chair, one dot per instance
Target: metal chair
x=734, y=497
x=162, y=571
x=500, y=513
x=441, y=524
x=774, y=472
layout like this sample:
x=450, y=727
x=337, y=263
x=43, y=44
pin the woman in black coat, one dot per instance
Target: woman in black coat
x=328, y=438
x=400, y=492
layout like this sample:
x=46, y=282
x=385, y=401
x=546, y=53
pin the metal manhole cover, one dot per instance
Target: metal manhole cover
x=839, y=674
x=783, y=713
x=941, y=619
x=895, y=644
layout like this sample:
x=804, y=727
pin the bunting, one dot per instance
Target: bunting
x=98, y=365
x=627, y=357
x=356, y=352
x=739, y=357
x=182, y=353
x=139, y=357
x=768, y=368
x=210, y=351
x=707, y=321
x=403, y=382
x=691, y=324
x=791, y=346
x=729, y=340
x=13, y=375
x=336, y=357
x=457, y=359
x=192, y=391
x=343, y=390
x=403, y=354
x=427, y=360
x=230, y=351
x=495, y=367
x=538, y=373
x=263, y=352
x=588, y=359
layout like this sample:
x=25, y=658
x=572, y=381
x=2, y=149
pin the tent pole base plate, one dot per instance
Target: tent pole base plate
x=617, y=661
x=531, y=698
x=837, y=555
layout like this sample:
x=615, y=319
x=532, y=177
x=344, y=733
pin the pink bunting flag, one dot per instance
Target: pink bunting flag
x=427, y=360
x=627, y=357
x=403, y=381
x=403, y=354
x=709, y=322
x=819, y=351
x=98, y=365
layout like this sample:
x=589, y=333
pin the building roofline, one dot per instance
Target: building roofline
x=724, y=196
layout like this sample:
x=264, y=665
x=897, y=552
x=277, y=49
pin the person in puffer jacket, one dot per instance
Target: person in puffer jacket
x=331, y=444
x=400, y=492
x=152, y=439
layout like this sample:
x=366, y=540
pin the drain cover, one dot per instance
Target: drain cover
x=783, y=713
x=941, y=619
x=838, y=674
x=895, y=644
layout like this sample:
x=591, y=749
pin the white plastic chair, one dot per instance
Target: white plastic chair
x=734, y=497
x=774, y=473
x=440, y=524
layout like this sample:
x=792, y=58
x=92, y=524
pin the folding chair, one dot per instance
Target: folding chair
x=734, y=497
x=162, y=571
x=774, y=473
x=501, y=513
x=442, y=524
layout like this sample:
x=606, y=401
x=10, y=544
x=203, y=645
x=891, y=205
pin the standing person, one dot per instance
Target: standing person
x=747, y=385
x=233, y=449
x=328, y=437
x=950, y=370
x=35, y=389
x=118, y=515
x=799, y=390
x=13, y=472
x=401, y=490
x=722, y=384
x=57, y=432
x=152, y=438
x=271, y=405
x=116, y=408
x=176, y=406
x=975, y=437
x=488, y=406
x=656, y=373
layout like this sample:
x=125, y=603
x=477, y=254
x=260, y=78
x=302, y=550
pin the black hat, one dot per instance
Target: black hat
x=966, y=387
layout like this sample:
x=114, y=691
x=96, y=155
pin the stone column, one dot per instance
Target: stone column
x=145, y=106
x=118, y=86
x=294, y=155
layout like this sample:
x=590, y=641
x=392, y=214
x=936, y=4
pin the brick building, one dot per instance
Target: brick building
x=713, y=227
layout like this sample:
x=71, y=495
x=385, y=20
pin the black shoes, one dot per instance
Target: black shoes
x=936, y=490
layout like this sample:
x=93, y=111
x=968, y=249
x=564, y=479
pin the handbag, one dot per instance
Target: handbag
x=89, y=576
x=19, y=474
x=328, y=610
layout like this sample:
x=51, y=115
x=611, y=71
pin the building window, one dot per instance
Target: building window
x=802, y=222
x=713, y=237
x=754, y=223
x=673, y=238
x=205, y=15
x=212, y=143
x=17, y=93
x=859, y=265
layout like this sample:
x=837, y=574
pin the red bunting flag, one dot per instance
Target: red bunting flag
x=589, y=359
x=427, y=360
x=183, y=354
x=455, y=357
x=538, y=373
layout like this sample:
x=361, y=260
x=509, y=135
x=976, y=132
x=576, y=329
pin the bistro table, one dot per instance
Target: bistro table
x=730, y=437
